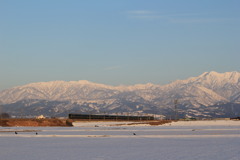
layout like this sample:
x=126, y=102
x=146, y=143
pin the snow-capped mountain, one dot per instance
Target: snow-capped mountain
x=208, y=88
x=195, y=96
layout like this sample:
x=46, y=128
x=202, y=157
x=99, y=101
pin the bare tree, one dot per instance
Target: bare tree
x=4, y=115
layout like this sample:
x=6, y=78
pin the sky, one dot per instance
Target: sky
x=121, y=42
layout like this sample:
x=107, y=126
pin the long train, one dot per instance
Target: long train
x=108, y=117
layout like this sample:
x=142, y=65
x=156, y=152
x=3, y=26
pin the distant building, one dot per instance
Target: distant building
x=40, y=117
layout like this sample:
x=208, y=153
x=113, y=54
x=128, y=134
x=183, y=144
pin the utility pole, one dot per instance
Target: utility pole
x=175, y=108
x=232, y=113
x=0, y=111
x=0, y=114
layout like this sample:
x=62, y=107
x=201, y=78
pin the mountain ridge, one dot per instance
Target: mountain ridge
x=208, y=89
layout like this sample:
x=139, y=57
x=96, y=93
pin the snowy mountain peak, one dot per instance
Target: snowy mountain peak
x=214, y=77
x=145, y=86
x=222, y=75
x=84, y=82
x=50, y=84
x=208, y=88
x=212, y=73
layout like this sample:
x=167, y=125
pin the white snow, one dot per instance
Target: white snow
x=206, y=123
x=101, y=123
x=199, y=140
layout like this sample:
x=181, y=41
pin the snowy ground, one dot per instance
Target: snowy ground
x=199, y=140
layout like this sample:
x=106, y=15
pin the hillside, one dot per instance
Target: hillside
x=35, y=122
x=202, y=96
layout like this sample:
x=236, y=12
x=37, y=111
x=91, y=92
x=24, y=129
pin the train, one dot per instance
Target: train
x=108, y=117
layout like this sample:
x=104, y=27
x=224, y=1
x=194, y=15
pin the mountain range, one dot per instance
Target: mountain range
x=209, y=95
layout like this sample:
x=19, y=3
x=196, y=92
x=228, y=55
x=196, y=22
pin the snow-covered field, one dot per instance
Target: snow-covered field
x=193, y=140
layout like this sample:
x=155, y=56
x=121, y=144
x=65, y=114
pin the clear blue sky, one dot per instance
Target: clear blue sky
x=116, y=41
